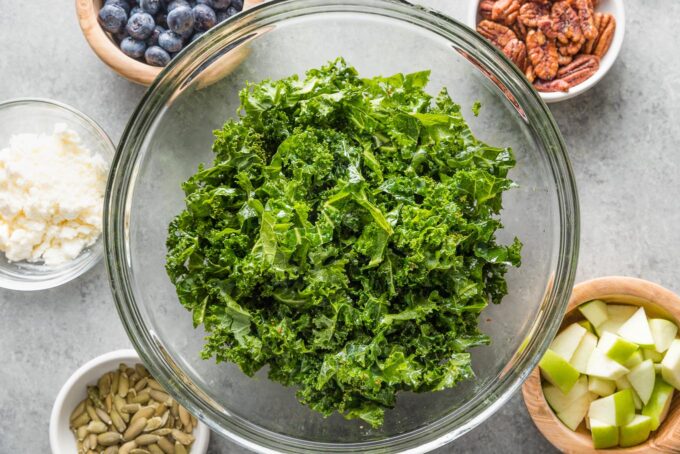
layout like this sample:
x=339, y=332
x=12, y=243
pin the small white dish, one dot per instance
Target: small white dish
x=613, y=7
x=39, y=116
x=62, y=440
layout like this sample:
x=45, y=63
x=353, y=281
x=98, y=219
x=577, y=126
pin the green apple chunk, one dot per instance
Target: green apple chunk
x=616, y=347
x=559, y=401
x=636, y=329
x=604, y=435
x=635, y=432
x=574, y=414
x=650, y=353
x=587, y=325
x=670, y=365
x=663, y=332
x=610, y=326
x=616, y=410
x=557, y=370
x=620, y=312
x=635, y=359
x=580, y=358
x=659, y=403
x=595, y=312
x=601, y=387
x=658, y=368
x=642, y=377
x=623, y=383
x=602, y=366
x=566, y=343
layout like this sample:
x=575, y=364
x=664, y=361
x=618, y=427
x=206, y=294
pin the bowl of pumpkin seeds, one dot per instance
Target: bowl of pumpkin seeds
x=112, y=405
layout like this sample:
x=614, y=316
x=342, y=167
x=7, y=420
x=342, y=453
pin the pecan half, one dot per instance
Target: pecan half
x=542, y=55
x=520, y=30
x=505, y=11
x=485, y=7
x=572, y=48
x=498, y=34
x=566, y=22
x=516, y=51
x=584, y=9
x=529, y=74
x=564, y=59
x=531, y=12
x=606, y=26
x=582, y=68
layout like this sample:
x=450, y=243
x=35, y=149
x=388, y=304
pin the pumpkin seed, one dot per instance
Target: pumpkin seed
x=79, y=410
x=139, y=451
x=145, y=412
x=160, y=396
x=130, y=408
x=141, y=384
x=162, y=432
x=92, y=441
x=114, y=381
x=93, y=414
x=83, y=419
x=155, y=385
x=123, y=385
x=166, y=445
x=118, y=403
x=155, y=449
x=152, y=424
x=127, y=447
x=160, y=409
x=81, y=433
x=109, y=438
x=175, y=410
x=184, y=416
x=103, y=415
x=104, y=384
x=96, y=427
x=141, y=398
x=134, y=377
x=135, y=428
x=181, y=437
x=118, y=422
x=141, y=370
x=179, y=448
x=108, y=403
x=147, y=439
x=111, y=450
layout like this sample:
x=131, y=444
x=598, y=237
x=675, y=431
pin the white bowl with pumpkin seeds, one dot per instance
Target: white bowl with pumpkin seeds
x=69, y=409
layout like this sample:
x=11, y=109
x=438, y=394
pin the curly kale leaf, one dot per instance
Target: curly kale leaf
x=345, y=237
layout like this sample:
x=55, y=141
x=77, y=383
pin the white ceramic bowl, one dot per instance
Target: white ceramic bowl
x=38, y=116
x=613, y=7
x=62, y=440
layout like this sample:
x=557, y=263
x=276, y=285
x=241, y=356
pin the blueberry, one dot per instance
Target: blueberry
x=186, y=35
x=112, y=18
x=204, y=18
x=170, y=41
x=151, y=6
x=140, y=26
x=231, y=11
x=180, y=19
x=196, y=36
x=153, y=39
x=176, y=4
x=155, y=56
x=210, y=3
x=222, y=15
x=238, y=4
x=135, y=10
x=221, y=4
x=132, y=47
x=121, y=3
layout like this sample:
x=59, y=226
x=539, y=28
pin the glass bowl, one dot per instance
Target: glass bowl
x=38, y=116
x=170, y=133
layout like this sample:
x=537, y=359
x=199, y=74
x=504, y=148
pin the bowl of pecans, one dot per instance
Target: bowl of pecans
x=113, y=405
x=564, y=47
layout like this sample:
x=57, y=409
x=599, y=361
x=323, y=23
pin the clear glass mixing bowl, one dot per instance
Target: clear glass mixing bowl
x=170, y=133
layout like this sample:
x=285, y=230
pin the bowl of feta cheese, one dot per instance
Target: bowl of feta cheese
x=54, y=164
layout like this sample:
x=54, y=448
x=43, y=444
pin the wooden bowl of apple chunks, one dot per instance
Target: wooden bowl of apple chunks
x=609, y=377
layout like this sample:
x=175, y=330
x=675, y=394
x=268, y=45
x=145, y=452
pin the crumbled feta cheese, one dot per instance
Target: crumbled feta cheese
x=51, y=197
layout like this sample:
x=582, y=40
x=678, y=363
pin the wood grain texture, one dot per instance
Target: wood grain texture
x=107, y=50
x=656, y=300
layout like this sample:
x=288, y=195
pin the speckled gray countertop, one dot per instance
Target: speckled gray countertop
x=623, y=138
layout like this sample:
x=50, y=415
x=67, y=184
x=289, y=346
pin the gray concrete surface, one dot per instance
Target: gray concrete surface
x=623, y=138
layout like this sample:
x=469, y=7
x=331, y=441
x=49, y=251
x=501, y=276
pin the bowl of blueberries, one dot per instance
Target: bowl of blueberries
x=137, y=38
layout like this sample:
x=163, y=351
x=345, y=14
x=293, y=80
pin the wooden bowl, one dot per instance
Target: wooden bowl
x=105, y=47
x=656, y=300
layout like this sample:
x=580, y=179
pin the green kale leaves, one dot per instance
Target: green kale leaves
x=345, y=237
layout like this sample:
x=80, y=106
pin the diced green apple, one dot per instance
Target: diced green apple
x=650, y=353
x=616, y=410
x=670, y=365
x=636, y=329
x=642, y=377
x=602, y=366
x=583, y=352
x=610, y=326
x=659, y=403
x=663, y=332
x=620, y=312
x=595, y=312
x=635, y=359
x=604, y=435
x=559, y=401
x=635, y=432
x=601, y=387
x=657, y=368
x=557, y=370
x=574, y=414
x=566, y=343
x=616, y=347
x=587, y=325
x=623, y=383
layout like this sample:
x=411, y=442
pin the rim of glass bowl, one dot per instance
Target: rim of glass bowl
x=530, y=107
x=63, y=274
